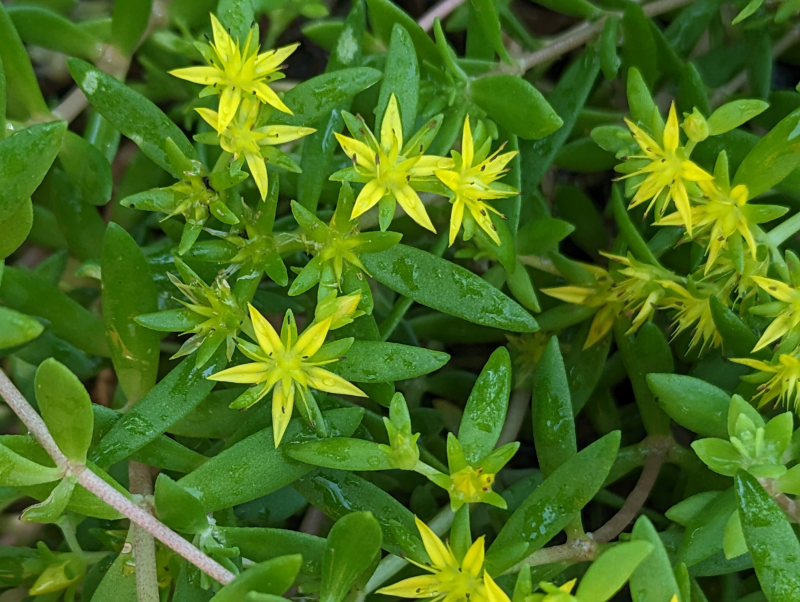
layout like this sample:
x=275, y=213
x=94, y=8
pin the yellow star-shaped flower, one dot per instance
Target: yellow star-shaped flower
x=241, y=138
x=669, y=168
x=450, y=579
x=233, y=72
x=786, y=311
x=387, y=168
x=290, y=364
x=783, y=385
x=472, y=181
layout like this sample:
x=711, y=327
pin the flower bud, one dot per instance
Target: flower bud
x=695, y=126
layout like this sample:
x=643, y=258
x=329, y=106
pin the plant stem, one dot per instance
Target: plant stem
x=520, y=400
x=574, y=551
x=441, y=10
x=580, y=34
x=635, y=501
x=782, y=45
x=144, y=545
x=391, y=565
x=106, y=492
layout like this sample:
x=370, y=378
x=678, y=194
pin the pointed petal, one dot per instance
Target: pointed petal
x=248, y=374
x=493, y=591
x=672, y=133
x=473, y=560
x=267, y=62
x=358, y=152
x=449, y=178
x=467, y=146
x=369, y=196
x=691, y=171
x=268, y=339
x=415, y=587
x=480, y=214
x=392, y=127
x=229, y=102
x=456, y=219
x=440, y=555
x=282, y=404
x=208, y=76
x=258, y=169
x=410, y=201
x=210, y=117
x=267, y=95
x=324, y=380
x=312, y=338
x=649, y=146
x=279, y=134
x=779, y=290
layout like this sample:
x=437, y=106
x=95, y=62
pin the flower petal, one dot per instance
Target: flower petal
x=282, y=404
x=440, y=555
x=258, y=169
x=324, y=380
x=267, y=95
x=409, y=200
x=479, y=213
x=391, y=127
x=279, y=134
x=246, y=374
x=229, y=102
x=369, y=196
x=208, y=76
x=779, y=290
x=268, y=339
x=312, y=338
x=467, y=146
x=456, y=219
x=473, y=559
x=493, y=591
x=672, y=133
x=415, y=587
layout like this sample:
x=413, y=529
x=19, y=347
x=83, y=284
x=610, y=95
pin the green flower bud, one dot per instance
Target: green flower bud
x=695, y=126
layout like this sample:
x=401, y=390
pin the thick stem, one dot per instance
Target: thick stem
x=582, y=33
x=441, y=10
x=144, y=544
x=520, y=400
x=782, y=232
x=573, y=551
x=106, y=492
x=635, y=501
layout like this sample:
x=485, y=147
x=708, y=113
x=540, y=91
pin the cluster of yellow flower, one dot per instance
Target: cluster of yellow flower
x=716, y=216
x=394, y=172
x=240, y=76
x=390, y=171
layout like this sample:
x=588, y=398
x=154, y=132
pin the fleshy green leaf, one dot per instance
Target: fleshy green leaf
x=516, y=105
x=693, y=403
x=485, y=412
x=377, y=362
x=128, y=290
x=772, y=543
x=449, y=288
x=653, y=580
x=66, y=409
x=131, y=113
x=353, y=544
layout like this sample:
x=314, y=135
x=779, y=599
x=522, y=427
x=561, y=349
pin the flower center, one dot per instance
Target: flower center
x=470, y=483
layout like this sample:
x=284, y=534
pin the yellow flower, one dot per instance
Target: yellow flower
x=241, y=138
x=642, y=289
x=669, y=169
x=786, y=311
x=290, y=364
x=599, y=295
x=692, y=310
x=451, y=580
x=782, y=386
x=387, y=168
x=472, y=181
x=723, y=215
x=234, y=71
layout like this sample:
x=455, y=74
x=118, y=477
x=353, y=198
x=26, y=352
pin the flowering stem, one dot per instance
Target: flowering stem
x=578, y=550
x=391, y=565
x=520, y=400
x=90, y=481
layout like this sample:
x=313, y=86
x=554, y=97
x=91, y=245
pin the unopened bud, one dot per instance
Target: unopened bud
x=695, y=126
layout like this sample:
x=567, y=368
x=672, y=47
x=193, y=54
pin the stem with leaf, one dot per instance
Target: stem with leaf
x=91, y=482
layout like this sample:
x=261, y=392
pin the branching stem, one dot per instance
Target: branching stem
x=90, y=481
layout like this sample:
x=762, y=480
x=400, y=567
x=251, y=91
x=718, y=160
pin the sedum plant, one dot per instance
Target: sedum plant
x=354, y=301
